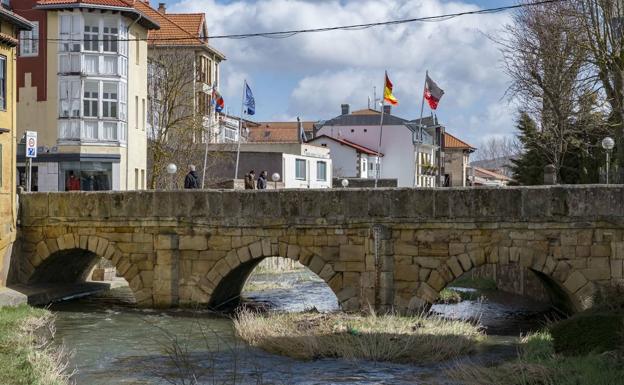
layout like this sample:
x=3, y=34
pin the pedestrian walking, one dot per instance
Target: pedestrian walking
x=262, y=180
x=191, y=181
x=250, y=180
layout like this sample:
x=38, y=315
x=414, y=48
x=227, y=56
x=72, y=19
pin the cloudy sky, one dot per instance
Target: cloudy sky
x=310, y=75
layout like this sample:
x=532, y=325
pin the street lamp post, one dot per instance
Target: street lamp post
x=275, y=177
x=344, y=183
x=608, y=143
x=171, y=170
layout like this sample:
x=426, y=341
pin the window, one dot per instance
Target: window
x=3, y=82
x=109, y=100
x=203, y=103
x=123, y=101
x=321, y=171
x=300, y=169
x=69, y=63
x=71, y=32
x=109, y=130
x=91, y=36
x=29, y=41
x=136, y=112
x=364, y=166
x=69, y=97
x=110, y=38
x=204, y=70
x=143, y=117
x=138, y=52
x=90, y=102
x=143, y=179
x=136, y=178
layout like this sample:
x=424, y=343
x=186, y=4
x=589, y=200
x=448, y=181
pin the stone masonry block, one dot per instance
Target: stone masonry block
x=256, y=249
x=193, y=242
x=436, y=281
x=352, y=253
x=243, y=254
x=465, y=261
x=455, y=267
x=316, y=264
x=575, y=281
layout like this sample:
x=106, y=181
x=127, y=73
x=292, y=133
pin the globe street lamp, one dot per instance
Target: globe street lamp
x=171, y=170
x=275, y=177
x=344, y=183
x=608, y=143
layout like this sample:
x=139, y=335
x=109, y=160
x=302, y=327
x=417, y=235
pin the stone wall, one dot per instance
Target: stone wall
x=387, y=248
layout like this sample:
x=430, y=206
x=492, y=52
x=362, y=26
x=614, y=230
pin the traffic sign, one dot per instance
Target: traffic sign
x=31, y=144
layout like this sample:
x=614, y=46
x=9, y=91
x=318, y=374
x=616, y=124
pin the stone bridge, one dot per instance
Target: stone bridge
x=386, y=248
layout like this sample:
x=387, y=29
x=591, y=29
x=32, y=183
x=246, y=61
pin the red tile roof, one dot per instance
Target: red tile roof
x=451, y=141
x=278, y=131
x=135, y=6
x=351, y=144
x=170, y=32
x=489, y=174
x=191, y=22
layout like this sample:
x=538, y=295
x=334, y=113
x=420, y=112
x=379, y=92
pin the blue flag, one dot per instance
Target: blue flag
x=250, y=102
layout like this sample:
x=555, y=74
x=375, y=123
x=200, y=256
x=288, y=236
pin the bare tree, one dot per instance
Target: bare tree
x=177, y=131
x=546, y=57
x=602, y=24
x=497, y=148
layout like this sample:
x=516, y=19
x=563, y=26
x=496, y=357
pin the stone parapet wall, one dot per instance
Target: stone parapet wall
x=386, y=248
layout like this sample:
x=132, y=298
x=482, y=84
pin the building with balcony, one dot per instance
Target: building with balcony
x=412, y=150
x=10, y=26
x=184, y=72
x=82, y=86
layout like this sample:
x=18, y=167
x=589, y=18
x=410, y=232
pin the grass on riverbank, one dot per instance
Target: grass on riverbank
x=415, y=339
x=538, y=364
x=26, y=357
x=478, y=283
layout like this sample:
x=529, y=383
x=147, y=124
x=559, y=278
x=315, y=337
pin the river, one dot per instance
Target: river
x=114, y=343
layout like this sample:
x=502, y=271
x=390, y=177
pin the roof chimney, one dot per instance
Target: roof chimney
x=345, y=109
x=387, y=109
x=162, y=8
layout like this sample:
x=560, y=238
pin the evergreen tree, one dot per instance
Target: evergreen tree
x=528, y=168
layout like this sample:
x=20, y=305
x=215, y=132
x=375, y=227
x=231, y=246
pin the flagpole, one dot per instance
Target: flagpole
x=213, y=110
x=378, y=166
x=240, y=125
x=420, y=127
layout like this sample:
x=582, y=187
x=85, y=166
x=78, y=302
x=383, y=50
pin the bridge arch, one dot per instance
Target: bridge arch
x=70, y=257
x=225, y=281
x=569, y=289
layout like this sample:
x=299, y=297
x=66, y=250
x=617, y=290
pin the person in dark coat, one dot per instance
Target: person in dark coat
x=191, y=180
x=262, y=180
x=250, y=180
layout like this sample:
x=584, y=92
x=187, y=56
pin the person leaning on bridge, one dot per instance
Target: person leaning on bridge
x=262, y=180
x=250, y=180
x=191, y=180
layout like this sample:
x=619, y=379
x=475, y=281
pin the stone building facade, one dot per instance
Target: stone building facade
x=10, y=25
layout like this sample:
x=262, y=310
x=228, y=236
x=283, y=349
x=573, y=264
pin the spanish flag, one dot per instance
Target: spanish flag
x=388, y=97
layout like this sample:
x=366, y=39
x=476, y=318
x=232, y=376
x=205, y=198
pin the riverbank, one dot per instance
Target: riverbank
x=26, y=355
x=539, y=364
x=388, y=338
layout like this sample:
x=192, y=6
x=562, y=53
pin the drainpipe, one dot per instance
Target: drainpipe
x=128, y=102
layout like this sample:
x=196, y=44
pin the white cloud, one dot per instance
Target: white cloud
x=312, y=74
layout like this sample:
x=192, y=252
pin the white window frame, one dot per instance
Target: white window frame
x=108, y=37
x=92, y=101
x=29, y=41
x=297, y=163
x=70, y=91
x=3, y=82
x=108, y=102
x=91, y=38
x=70, y=32
x=318, y=169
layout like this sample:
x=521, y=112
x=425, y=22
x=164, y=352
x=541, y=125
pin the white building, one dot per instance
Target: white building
x=350, y=160
x=299, y=165
x=410, y=159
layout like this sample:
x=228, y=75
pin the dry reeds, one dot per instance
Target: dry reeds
x=414, y=339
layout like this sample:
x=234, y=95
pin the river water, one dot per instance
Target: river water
x=114, y=343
